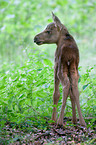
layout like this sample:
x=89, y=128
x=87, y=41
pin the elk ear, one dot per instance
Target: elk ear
x=56, y=21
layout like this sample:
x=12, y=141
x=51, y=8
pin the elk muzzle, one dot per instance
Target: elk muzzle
x=37, y=40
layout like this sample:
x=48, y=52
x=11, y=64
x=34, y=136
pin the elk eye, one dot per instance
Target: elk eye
x=48, y=32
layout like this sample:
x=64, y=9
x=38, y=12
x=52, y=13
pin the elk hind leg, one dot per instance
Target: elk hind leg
x=66, y=84
x=74, y=120
x=75, y=92
x=56, y=95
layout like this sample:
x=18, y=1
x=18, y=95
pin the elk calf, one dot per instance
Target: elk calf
x=66, y=67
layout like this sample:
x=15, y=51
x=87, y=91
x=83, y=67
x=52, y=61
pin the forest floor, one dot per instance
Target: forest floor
x=53, y=135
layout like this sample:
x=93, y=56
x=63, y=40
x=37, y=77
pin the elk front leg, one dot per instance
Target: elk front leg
x=74, y=120
x=75, y=92
x=56, y=94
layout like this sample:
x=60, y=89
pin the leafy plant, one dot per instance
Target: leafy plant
x=25, y=89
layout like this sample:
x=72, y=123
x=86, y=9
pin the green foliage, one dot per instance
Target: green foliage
x=88, y=95
x=25, y=89
x=26, y=92
x=20, y=20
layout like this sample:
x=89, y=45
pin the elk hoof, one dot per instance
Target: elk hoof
x=74, y=121
x=83, y=123
x=60, y=122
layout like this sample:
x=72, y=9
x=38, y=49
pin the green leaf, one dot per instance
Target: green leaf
x=59, y=139
x=48, y=62
x=85, y=86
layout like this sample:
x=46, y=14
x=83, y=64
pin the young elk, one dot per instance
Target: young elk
x=66, y=67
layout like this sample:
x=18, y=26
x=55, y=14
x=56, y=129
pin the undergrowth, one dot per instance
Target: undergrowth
x=26, y=92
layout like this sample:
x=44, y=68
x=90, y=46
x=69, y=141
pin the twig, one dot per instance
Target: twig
x=38, y=113
x=70, y=118
x=43, y=134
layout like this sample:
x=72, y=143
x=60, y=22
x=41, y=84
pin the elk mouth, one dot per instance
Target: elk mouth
x=37, y=41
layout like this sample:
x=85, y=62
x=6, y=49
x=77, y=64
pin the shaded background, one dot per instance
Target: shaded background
x=21, y=20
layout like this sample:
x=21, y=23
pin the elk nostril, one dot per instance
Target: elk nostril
x=35, y=39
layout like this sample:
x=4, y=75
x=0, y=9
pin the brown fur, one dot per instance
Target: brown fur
x=66, y=67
